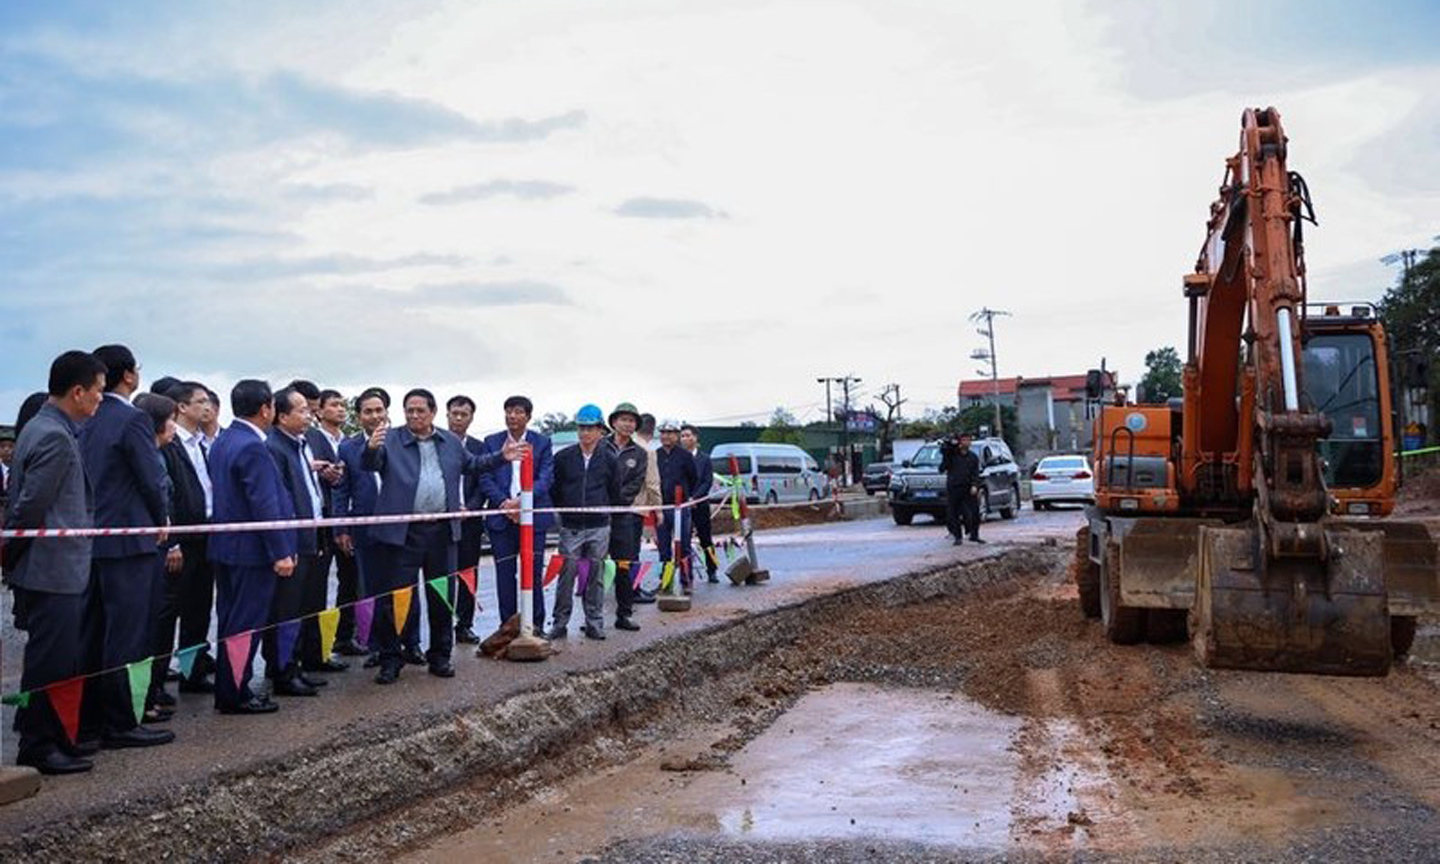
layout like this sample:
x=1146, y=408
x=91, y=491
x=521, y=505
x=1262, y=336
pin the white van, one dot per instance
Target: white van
x=772, y=473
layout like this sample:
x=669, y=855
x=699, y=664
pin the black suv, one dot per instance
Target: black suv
x=876, y=477
x=919, y=487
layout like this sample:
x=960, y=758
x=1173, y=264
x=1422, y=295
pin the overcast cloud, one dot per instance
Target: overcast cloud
x=431, y=193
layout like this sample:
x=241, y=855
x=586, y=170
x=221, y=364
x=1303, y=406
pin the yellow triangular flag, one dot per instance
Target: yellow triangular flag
x=402, y=608
x=329, y=622
x=666, y=575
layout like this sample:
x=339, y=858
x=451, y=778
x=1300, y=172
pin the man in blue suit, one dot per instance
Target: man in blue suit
x=502, y=491
x=295, y=596
x=247, y=488
x=420, y=468
x=459, y=413
x=123, y=464
x=358, y=491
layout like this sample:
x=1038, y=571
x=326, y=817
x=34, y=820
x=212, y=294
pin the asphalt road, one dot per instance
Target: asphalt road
x=804, y=562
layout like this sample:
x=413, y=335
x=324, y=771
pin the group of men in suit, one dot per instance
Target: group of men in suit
x=89, y=458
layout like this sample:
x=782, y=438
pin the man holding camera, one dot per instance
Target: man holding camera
x=962, y=484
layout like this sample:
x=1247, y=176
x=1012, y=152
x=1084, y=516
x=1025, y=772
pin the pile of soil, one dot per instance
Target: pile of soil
x=1420, y=492
x=779, y=517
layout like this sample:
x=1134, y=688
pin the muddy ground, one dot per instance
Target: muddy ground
x=1159, y=759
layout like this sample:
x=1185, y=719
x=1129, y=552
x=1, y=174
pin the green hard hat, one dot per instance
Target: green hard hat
x=625, y=408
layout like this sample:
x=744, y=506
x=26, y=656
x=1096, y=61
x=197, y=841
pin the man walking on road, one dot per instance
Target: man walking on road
x=962, y=483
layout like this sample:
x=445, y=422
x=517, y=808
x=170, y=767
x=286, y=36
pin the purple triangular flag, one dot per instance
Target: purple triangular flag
x=584, y=580
x=285, y=637
x=364, y=617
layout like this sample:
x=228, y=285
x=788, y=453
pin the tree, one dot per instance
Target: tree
x=890, y=396
x=1162, y=376
x=973, y=419
x=783, y=429
x=554, y=422
x=1411, y=313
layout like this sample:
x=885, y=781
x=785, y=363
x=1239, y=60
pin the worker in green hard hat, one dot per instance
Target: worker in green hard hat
x=639, y=487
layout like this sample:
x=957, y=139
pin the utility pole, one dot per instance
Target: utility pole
x=829, y=412
x=844, y=381
x=988, y=315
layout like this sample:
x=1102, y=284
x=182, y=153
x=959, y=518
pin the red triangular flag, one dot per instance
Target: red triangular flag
x=65, y=699
x=237, y=651
x=640, y=573
x=553, y=570
x=467, y=578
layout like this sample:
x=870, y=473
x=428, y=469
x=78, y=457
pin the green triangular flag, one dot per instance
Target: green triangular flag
x=139, y=673
x=609, y=573
x=19, y=700
x=441, y=585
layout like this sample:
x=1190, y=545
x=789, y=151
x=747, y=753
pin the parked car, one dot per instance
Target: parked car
x=918, y=486
x=772, y=473
x=876, y=477
x=1062, y=480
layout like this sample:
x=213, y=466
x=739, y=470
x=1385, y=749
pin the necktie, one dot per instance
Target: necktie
x=204, y=453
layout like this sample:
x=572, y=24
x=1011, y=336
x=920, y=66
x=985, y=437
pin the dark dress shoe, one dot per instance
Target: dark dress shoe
x=626, y=624
x=371, y=661
x=442, y=670
x=557, y=633
x=976, y=540
x=293, y=687
x=83, y=748
x=415, y=657
x=249, y=706
x=329, y=666
x=593, y=632
x=643, y=596
x=163, y=699
x=712, y=578
x=136, y=737
x=466, y=636
x=196, y=685
x=155, y=714
x=54, y=762
x=349, y=648
x=959, y=541
x=317, y=683
x=387, y=675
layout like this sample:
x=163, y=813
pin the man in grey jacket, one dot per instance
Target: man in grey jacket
x=51, y=577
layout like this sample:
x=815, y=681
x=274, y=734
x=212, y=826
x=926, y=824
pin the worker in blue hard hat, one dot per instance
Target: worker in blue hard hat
x=586, y=475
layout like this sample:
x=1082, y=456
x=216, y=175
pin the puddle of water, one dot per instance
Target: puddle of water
x=848, y=761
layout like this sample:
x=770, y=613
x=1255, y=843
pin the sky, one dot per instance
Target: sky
x=700, y=208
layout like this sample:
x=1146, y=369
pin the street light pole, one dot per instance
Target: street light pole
x=988, y=315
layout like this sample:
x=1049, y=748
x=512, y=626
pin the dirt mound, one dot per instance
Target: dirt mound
x=780, y=517
x=1420, y=493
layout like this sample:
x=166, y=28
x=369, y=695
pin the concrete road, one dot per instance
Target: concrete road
x=804, y=562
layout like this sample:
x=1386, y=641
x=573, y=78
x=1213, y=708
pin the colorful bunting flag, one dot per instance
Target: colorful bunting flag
x=552, y=570
x=441, y=585
x=139, y=675
x=237, y=651
x=286, y=635
x=186, y=658
x=710, y=554
x=19, y=700
x=65, y=699
x=640, y=574
x=609, y=578
x=667, y=575
x=467, y=578
x=329, y=624
x=402, y=607
x=735, y=505
x=364, y=618
x=583, y=581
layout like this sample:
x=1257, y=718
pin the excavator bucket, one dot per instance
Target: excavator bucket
x=1158, y=559
x=1319, y=614
x=1412, y=564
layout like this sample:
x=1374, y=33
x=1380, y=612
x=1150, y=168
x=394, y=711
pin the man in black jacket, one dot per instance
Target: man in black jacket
x=187, y=463
x=678, y=478
x=635, y=465
x=704, y=480
x=586, y=475
x=962, y=483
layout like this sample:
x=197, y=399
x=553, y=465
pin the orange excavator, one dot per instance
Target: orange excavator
x=1250, y=512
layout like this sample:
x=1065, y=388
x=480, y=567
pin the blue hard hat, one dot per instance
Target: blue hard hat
x=589, y=415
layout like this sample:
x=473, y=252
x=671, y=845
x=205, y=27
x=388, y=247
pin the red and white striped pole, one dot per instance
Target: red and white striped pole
x=527, y=646
x=677, y=600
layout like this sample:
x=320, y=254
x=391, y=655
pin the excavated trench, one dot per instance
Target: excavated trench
x=396, y=789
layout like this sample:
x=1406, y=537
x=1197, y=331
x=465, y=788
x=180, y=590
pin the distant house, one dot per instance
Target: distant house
x=1052, y=410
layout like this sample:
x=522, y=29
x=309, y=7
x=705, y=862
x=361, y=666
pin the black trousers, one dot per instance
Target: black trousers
x=165, y=612
x=962, y=512
x=314, y=591
x=197, y=596
x=707, y=542
x=347, y=591
x=625, y=532
x=472, y=533
x=118, y=630
x=285, y=605
x=429, y=550
x=244, y=596
x=52, y=653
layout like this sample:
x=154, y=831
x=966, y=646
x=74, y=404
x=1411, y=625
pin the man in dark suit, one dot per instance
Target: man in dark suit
x=325, y=440
x=118, y=445
x=420, y=470
x=502, y=491
x=704, y=479
x=304, y=592
x=459, y=414
x=324, y=462
x=187, y=461
x=247, y=563
x=51, y=578
x=678, y=476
